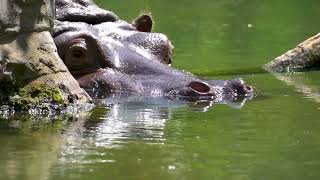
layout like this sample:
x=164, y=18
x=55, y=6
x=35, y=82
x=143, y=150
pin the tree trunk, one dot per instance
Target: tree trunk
x=306, y=56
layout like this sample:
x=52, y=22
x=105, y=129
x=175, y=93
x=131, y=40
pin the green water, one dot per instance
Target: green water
x=275, y=135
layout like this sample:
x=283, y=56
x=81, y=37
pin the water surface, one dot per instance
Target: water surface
x=275, y=135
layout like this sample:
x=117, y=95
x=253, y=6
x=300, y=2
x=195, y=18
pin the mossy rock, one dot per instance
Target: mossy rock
x=34, y=94
x=9, y=87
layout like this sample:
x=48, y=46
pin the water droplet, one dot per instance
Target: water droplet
x=171, y=167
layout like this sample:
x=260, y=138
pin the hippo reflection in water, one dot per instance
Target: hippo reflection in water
x=107, y=55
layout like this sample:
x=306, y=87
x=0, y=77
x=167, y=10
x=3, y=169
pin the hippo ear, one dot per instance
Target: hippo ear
x=143, y=23
x=200, y=87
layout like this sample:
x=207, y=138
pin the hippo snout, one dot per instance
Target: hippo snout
x=247, y=89
x=239, y=87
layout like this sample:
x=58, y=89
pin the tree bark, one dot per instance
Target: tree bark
x=306, y=56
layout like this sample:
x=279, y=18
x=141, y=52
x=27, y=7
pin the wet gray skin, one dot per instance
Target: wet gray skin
x=116, y=56
x=82, y=11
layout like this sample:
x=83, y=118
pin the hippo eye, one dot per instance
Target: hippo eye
x=78, y=53
x=78, y=48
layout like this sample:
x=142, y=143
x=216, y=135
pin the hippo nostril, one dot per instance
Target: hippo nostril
x=199, y=87
x=248, y=89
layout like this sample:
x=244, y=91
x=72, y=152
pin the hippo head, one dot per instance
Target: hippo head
x=117, y=56
x=85, y=47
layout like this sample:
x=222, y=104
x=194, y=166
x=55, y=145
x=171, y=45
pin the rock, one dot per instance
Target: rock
x=306, y=56
x=29, y=62
x=26, y=16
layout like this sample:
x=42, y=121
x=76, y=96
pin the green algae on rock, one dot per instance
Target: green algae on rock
x=37, y=93
x=34, y=94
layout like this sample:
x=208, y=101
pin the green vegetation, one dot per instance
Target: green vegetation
x=13, y=93
x=9, y=87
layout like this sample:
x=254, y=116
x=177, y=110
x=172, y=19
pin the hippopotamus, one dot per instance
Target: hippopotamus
x=108, y=55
